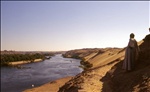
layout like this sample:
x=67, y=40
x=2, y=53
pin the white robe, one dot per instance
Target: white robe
x=131, y=55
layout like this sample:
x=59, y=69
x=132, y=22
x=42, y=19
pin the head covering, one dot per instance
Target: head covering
x=131, y=35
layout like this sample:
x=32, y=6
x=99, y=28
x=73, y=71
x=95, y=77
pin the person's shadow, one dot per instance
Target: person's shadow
x=117, y=80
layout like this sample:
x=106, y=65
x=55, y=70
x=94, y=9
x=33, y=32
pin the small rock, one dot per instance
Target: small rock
x=32, y=85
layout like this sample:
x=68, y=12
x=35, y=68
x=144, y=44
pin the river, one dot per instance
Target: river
x=37, y=74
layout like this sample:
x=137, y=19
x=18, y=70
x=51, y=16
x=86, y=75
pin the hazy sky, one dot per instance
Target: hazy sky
x=66, y=25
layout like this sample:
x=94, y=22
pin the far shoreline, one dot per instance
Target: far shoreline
x=24, y=62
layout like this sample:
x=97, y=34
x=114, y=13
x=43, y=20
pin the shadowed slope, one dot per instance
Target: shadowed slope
x=136, y=81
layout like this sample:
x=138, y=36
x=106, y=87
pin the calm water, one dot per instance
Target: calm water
x=17, y=80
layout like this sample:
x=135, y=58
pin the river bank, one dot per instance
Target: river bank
x=32, y=75
x=24, y=62
x=88, y=80
x=51, y=86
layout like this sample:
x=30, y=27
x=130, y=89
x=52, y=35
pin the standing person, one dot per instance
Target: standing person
x=131, y=54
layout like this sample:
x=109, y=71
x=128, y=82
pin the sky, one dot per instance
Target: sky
x=68, y=25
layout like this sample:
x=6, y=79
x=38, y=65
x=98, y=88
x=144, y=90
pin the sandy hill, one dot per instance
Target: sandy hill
x=89, y=80
x=136, y=81
x=81, y=53
x=105, y=74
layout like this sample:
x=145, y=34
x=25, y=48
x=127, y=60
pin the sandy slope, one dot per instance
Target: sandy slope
x=89, y=81
x=107, y=75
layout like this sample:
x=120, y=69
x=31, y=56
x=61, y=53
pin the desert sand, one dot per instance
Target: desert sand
x=51, y=86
